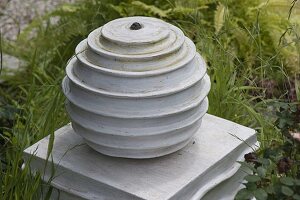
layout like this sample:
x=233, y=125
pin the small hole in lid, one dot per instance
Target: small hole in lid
x=135, y=26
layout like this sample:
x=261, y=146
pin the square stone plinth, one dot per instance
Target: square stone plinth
x=205, y=169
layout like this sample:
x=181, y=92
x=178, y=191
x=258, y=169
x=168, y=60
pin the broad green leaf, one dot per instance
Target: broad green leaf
x=297, y=181
x=264, y=161
x=287, y=181
x=296, y=196
x=252, y=178
x=261, y=172
x=246, y=165
x=243, y=194
x=270, y=189
x=251, y=186
x=287, y=191
x=260, y=194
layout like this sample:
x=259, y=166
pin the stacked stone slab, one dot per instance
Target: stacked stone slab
x=205, y=169
x=136, y=88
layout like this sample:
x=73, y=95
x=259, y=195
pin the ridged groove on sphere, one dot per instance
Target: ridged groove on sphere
x=137, y=88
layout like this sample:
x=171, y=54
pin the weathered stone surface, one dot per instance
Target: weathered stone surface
x=205, y=169
x=137, y=88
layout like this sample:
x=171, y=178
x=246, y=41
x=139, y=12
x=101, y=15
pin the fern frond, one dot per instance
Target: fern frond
x=151, y=9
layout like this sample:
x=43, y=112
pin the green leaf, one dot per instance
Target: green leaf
x=297, y=88
x=287, y=181
x=287, y=191
x=252, y=178
x=251, y=186
x=150, y=8
x=260, y=194
x=296, y=196
x=246, y=165
x=264, y=161
x=276, y=187
x=297, y=181
x=270, y=189
x=293, y=108
x=282, y=123
x=261, y=172
x=243, y=194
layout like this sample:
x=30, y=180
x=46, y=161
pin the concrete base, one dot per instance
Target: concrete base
x=205, y=169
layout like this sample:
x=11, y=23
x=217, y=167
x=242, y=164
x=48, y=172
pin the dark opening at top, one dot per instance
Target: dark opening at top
x=135, y=26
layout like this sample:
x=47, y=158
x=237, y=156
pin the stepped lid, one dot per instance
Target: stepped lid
x=136, y=37
x=136, y=44
x=136, y=31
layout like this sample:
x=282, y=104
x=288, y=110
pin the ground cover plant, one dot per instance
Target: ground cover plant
x=252, y=48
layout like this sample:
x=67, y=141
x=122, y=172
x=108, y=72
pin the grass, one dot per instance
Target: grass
x=244, y=43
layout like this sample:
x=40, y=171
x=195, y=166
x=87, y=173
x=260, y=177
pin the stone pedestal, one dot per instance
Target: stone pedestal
x=205, y=169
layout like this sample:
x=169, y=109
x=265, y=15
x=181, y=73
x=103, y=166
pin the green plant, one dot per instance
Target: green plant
x=239, y=39
x=275, y=171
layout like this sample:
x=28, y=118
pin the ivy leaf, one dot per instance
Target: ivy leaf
x=260, y=194
x=287, y=181
x=287, y=191
x=252, y=178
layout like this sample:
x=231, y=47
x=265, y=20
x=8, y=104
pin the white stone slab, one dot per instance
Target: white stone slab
x=204, y=169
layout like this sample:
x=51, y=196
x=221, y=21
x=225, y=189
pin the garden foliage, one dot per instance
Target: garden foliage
x=252, y=48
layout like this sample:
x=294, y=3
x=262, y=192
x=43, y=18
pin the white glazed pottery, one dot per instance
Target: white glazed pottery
x=136, y=88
